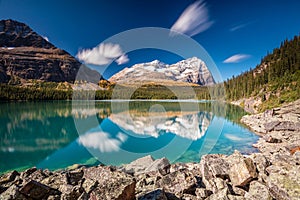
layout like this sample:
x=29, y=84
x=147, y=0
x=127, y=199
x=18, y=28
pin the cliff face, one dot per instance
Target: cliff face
x=26, y=55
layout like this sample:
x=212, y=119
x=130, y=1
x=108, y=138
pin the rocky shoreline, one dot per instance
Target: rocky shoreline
x=271, y=174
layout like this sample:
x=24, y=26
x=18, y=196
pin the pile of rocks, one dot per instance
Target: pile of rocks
x=83, y=183
x=215, y=177
x=285, y=118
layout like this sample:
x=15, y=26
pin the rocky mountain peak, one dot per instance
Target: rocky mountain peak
x=25, y=55
x=191, y=70
x=17, y=34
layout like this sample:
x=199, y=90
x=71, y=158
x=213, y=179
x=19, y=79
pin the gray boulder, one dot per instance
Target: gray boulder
x=283, y=181
x=257, y=190
x=213, y=166
x=242, y=170
x=109, y=184
x=146, y=165
x=12, y=193
x=36, y=190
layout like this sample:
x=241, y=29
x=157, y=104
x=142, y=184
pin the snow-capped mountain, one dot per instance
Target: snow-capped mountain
x=192, y=126
x=192, y=70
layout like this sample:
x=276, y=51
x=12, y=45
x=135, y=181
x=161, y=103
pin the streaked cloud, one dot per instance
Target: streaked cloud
x=237, y=58
x=239, y=26
x=103, y=54
x=194, y=19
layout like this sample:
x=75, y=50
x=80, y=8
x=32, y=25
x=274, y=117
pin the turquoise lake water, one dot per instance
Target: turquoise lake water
x=58, y=134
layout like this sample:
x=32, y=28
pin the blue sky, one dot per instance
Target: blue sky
x=244, y=29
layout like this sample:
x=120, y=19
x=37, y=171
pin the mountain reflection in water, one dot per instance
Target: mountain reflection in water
x=60, y=133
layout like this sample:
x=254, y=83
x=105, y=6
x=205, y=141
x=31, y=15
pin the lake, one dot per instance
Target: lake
x=58, y=134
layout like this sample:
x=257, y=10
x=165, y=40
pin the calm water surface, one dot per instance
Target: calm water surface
x=58, y=134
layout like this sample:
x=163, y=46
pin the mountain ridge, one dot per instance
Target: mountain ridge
x=192, y=70
x=25, y=55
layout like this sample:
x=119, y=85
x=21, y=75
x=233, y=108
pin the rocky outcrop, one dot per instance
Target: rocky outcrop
x=26, y=55
x=215, y=177
x=83, y=183
x=285, y=118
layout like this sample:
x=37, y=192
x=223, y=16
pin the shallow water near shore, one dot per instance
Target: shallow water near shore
x=58, y=134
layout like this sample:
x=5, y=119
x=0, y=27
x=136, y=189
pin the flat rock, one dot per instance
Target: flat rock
x=161, y=165
x=146, y=165
x=111, y=184
x=36, y=190
x=257, y=190
x=284, y=181
x=271, y=139
x=55, y=180
x=269, y=126
x=138, y=166
x=287, y=126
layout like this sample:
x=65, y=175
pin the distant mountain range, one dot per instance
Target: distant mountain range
x=25, y=55
x=192, y=70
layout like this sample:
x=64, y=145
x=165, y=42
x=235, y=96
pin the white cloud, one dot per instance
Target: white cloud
x=103, y=54
x=46, y=38
x=122, y=59
x=102, y=141
x=237, y=58
x=193, y=20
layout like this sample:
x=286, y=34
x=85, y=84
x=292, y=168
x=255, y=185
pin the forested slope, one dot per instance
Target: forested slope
x=274, y=81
